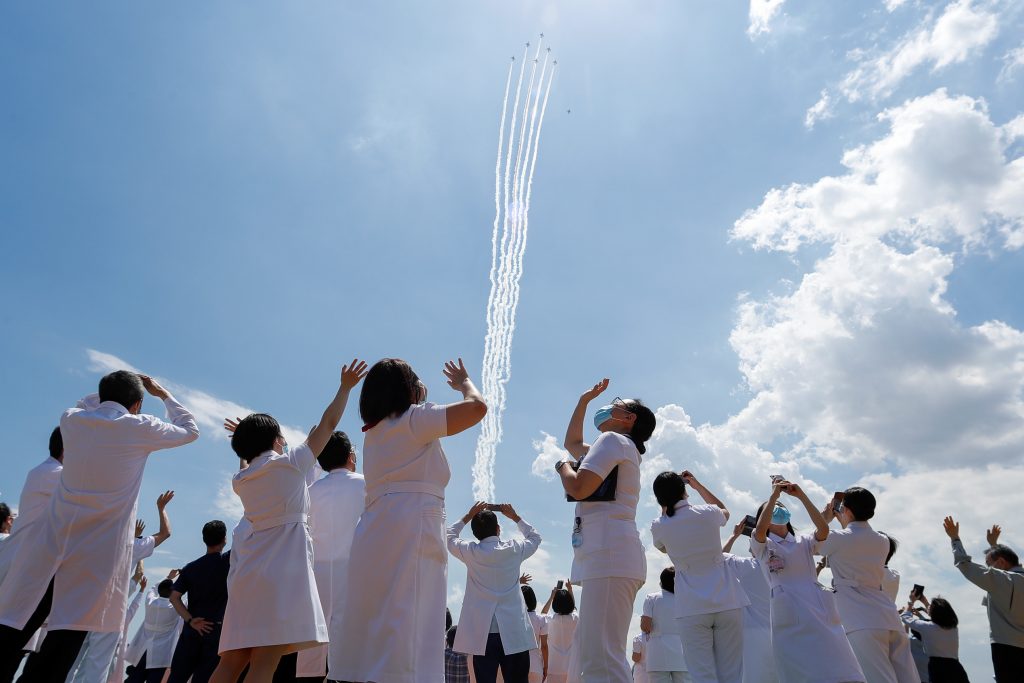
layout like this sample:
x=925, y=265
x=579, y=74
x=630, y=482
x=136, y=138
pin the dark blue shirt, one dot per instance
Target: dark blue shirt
x=205, y=581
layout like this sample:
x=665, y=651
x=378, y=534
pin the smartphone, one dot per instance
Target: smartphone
x=749, y=522
x=837, y=501
x=493, y=507
x=917, y=590
x=776, y=478
x=560, y=585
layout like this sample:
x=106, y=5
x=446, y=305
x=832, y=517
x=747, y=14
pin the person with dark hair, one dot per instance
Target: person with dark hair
x=538, y=655
x=149, y=652
x=940, y=636
x=335, y=504
x=495, y=627
x=273, y=608
x=807, y=637
x=890, y=577
x=456, y=664
x=856, y=555
x=77, y=568
x=398, y=557
x=1002, y=579
x=663, y=650
x=562, y=642
x=608, y=557
x=758, y=659
x=6, y=520
x=709, y=600
x=205, y=581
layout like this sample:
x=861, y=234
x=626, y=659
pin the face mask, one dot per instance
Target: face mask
x=602, y=415
x=780, y=516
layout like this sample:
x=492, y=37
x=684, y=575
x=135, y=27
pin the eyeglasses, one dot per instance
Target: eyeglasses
x=620, y=404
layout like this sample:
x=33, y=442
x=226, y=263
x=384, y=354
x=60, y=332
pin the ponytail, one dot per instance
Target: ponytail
x=643, y=426
x=669, y=489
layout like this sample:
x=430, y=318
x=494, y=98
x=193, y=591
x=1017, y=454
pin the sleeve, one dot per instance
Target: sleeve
x=719, y=515
x=456, y=546
x=638, y=645
x=990, y=579
x=656, y=536
x=829, y=545
x=181, y=583
x=142, y=548
x=542, y=626
x=90, y=402
x=648, y=610
x=428, y=422
x=758, y=548
x=133, y=607
x=604, y=455
x=302, y=457
x=532, y=541
x=179, y=430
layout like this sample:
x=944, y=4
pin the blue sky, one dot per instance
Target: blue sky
x=240, y=198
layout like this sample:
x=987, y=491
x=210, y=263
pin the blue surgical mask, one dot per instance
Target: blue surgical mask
x=780, y=515
x=602, y=415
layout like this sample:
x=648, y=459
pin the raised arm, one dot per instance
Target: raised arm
x=709, y=498
x=471, y=409
x=531, y=538
x=165, y=522
x=737, y=531
x=574, y=442
x=456, y=545
x=764, y=519
x=181, y=427
x=351, y=375
x=820, y=525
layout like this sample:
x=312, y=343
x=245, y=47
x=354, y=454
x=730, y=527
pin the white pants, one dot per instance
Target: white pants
x=713, y=644
x=95, y=658
x=668, y=677
x=758, y=658
x=884, y=655
x=606, y=608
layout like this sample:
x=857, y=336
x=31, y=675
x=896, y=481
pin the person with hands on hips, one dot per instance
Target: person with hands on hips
x=608, y=557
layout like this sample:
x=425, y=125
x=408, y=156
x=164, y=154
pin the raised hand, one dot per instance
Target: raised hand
x=510, y=512
x=992, y=535
x=952, y=528
x=153, y=387
x=142, y=584
x=792, y=489
x=457, y=375
x=140, y=526
x=173, y=574
x=595, y=391
x=737, y=530
x=231, y=425
x=353, y=373
x=478, y=507
x=525, y=579
x=163, y=499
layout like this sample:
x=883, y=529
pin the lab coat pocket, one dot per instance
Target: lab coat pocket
x=593, y=536
x=828, y=603
x=785, y=612
x=432, y=540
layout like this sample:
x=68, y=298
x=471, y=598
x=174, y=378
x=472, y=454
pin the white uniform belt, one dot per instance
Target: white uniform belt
x=850, y=583
x=376, y=492
x=702, y=562
x=279, y=520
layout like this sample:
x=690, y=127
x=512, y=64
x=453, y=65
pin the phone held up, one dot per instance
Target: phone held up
x=749, y=522
x=837, y=502
x=560, y=585
x=917, y=591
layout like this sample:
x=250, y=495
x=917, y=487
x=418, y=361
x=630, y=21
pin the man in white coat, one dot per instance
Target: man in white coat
x=493, y=625
x=76, y=569
x=335, y=503
x=856, y=555
x=150, y=651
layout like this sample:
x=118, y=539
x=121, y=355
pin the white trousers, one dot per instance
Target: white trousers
x=713, y=644
x=95, y=658
x=606, y=608
x=758, y=658
x=884, y=655
x=668, y=677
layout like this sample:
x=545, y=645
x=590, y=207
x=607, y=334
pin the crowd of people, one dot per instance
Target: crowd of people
x=308, y=591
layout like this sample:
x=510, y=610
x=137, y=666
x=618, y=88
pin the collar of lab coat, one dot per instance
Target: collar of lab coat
x=684, y=503
x=115, y=406
x=858, y=525
x=490, y=540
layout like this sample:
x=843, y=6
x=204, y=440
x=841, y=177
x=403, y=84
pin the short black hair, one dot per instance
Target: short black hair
x=668, y=579
x=336, y=453
x=860, y=502
x=215, y=532
x=893, y=546
x=563, y=602
x=163, y=589
x=669, y=489
x=760, y=509
x=449, y=636
x=644, y=424
x=484, y=524
x=255, y=434
x=942, y=613
x=447, y=618
x=121, y=387
x=56, y=444
x=530, y=598
x=389, y=389
x=1002, y=552
x=5, y=513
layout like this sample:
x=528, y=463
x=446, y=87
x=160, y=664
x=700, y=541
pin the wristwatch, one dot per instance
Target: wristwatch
x=558, y=466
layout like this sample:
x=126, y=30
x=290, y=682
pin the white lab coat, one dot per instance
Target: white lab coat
x=157, y=635
x=492, y=590
x=758, y=660
x=856, y=556
x=119, y=664
x=640, y=668
x=272, y=596
x=807, y=637
x=663, y=650
x=84, y=542
x=540, y=628
x=561, y=639
x=40, y=483
x=335, y=504
x=891, y=583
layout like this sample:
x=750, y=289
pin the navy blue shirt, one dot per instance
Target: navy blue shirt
x=205, y=581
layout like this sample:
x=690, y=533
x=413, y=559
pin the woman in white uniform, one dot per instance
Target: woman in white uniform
x=663, y=650
x=758, y=660
x=808, y=640
x=640, y=659
x=608, y=558
x=561, y=633
x=392, y=628
x=538, y=655
x=152, y=648
x=273, y=606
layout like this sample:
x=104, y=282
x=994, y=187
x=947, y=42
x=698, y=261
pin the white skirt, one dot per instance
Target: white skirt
x=392, y=627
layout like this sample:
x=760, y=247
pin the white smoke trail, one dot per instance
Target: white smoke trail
x=513, y=183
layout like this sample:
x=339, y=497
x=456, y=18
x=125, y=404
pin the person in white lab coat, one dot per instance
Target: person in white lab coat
x=76, y=570
x=335, y=503
x=890, y=577
x=940, y=636
x=709, y=600
x=663, y=650
x=608, y=557
x=640, y=674
x=118, y=664
x=758, y=660
x=808, y=639
x=539, y=654
x=562, y=642
x=392, y=626
x=856, y=555
x=150, y=651
x=493, y=624
x=273, y=606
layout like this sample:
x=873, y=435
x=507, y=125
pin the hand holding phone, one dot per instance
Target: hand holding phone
x=749, y=522
x=917, y=591
x=560, y=585
x=837, y=502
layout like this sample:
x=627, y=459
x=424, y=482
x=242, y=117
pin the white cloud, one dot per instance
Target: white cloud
x=761, y=14
x=941, y=173
x=823, y=109
x=548, y=453
x=227, y=503
x=1013, y=61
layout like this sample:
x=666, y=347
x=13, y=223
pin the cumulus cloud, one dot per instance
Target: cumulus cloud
x=1013, y=61
x=761, y=14
x=944, y=171
x=548, y=453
